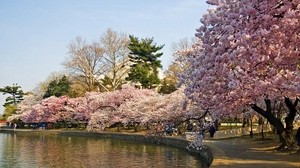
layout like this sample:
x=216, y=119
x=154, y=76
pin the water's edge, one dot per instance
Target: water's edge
x=204, y=153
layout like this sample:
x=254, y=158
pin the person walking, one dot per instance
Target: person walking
x=212, y=130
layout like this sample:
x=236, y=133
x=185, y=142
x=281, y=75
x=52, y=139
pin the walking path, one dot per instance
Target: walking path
x=243, y=152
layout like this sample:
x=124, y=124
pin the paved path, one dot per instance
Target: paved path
x=248, y=153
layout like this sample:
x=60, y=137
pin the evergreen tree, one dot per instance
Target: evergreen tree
x=15, y=92
x=58, y=87
x=16, y=96
x=145, y=58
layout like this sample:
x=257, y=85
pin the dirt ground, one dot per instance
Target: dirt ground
x=246, y=152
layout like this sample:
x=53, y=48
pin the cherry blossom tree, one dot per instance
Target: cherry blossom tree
x=128, y=106
x=95, y=107
x=250, y=53
x=48, y=110
x=167, y=109
x=52, y=110
x=104, y=106
x=131, y=106
x=24, y=107
x=100, y=119
x=77, y=110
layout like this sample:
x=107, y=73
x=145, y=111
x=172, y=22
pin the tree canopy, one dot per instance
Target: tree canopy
x=58, y=87
x=90, y=62
x=85, y=62
x=104, y=109
x=115, y=45
x=15, y=92
x=249, y=54
x=16, y=96
x=145, y=58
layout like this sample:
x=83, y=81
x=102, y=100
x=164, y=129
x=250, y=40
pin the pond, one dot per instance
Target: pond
x=47, y=151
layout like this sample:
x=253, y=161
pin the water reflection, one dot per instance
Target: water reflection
x=46, y=151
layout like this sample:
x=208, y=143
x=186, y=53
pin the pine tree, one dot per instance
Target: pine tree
x=15, y=92
x=16, y=96
x=145, y=58
x=58, y=87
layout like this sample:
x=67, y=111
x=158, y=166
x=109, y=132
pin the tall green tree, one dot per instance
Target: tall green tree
x=58, y=87
x=144, y=54
x=16, y=96
x=15, y=92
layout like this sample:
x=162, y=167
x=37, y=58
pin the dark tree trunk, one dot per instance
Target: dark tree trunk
x=147, y=126
x=289, y=119
x=244, y=121
x=285, y=134
x=118, y=126
x=216, y=123
x=251, y=127
x=262, y=131
x=261, y=124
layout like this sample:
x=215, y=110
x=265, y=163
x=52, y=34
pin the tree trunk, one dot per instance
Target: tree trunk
x=251, y=127
x=289, y=119
x=262, y=132
x=285, y=134
x=261, y=124
x=118, y=126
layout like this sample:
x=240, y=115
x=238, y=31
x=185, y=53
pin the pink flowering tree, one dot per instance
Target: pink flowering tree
x=76, y=110
x=131, y=106
x=48, y=110
x=24, y=107
x=104, y=106
x=154, y=108
x=52, y=110
x=98, y=110
x=250, y=53
x=128, y=106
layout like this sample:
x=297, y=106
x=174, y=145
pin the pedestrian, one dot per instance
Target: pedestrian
x=298, y=137
x=212, y=131
x=189, y=126
x=43, y=126
x=202, y=133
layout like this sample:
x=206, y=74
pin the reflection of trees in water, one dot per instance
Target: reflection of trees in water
x=35, y=150
x=7, y=156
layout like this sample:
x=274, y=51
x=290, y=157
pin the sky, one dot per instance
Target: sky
x=34, y=34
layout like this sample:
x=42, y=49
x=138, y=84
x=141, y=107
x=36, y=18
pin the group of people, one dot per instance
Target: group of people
x=171, y=130
x=202, y=128
x=11, y=125
x=166, y=129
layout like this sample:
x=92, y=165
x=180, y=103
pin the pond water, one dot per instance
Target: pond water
x=46, y=151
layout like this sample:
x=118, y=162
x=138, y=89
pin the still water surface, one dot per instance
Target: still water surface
x=47, y=151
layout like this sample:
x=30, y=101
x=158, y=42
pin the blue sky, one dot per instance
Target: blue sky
x=34, y=34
